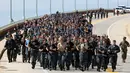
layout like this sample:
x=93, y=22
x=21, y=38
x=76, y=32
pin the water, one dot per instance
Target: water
x=43, y=7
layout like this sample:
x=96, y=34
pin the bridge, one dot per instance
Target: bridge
x=115, y=26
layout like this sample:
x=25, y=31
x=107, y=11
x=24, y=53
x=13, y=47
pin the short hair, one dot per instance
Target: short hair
x=114, y=40
x=124, y=37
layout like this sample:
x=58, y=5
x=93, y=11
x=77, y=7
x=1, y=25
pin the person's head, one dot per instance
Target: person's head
x=124, y=38
x=85, y=40
x=104, y=43
x=34, y=37
x=51, y=42
x=99, y=43
x=114, y=42
x=81, y=40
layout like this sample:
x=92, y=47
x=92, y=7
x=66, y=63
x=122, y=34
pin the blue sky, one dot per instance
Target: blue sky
x=43, y=7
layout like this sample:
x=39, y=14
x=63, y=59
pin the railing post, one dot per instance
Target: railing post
x=11, y=18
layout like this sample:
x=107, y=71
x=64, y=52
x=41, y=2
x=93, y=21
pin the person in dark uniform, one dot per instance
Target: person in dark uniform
x=69, y=47
x=75, y=54
x=107, y=41
x=44, y=54
x=104, y=14
x=24, y=55
x=89, y=46
x=87, y=14
x=34, y=44
x=101, y=14
x=113, y=50
x=124, y=44
x=117, y=12
x=107, y=14
x=100, y=51
x=83, y=54
x=105, y=56
x=95, y=14
x=98, y=14
x=51, y=55
x=90, y=17
x=114, y=12
x=18, y=38
x=93, y=45
x=10, y=45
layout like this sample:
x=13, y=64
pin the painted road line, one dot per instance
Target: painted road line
x=109, y=70
x=45, y=71
x=108, y=32
x=113, y=72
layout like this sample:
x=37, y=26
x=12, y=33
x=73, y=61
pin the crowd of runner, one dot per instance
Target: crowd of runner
x=63, y=41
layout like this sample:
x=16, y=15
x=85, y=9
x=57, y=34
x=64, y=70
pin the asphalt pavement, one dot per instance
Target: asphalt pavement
x=113, y=26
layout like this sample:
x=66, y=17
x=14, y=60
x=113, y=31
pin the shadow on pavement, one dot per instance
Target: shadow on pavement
x=3, y=67
x=12, y=70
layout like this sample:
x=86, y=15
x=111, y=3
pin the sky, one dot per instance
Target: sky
x=43, y=7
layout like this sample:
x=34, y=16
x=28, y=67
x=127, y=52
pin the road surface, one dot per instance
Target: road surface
x=115, y=27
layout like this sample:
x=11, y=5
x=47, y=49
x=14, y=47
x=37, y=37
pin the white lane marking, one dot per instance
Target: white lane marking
x=128, y=54
x=45, y=71
x=108, y=32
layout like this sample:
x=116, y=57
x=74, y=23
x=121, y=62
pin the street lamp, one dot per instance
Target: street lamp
x=63, y=6
x=86, y=6
x=24, y=9
x=75, y=4
x=11, y=19
x=36, y=8
x=50, y=6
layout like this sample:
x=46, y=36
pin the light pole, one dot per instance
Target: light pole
x=11, y=19
x=50, y=6
x=36, y=8
x=75, y=4
x=24, y=10
x=63, y=6
x=86, y=6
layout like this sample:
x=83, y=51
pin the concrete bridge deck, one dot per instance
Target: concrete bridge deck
x=115, y=27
